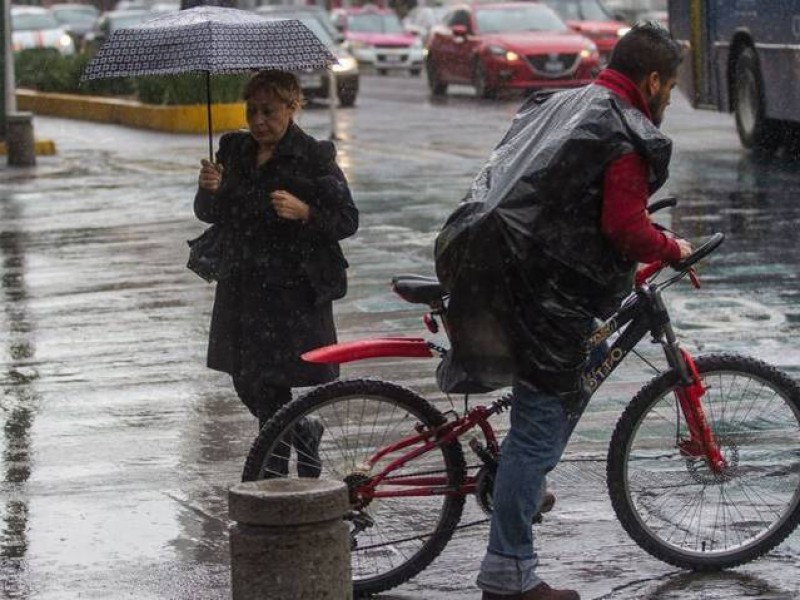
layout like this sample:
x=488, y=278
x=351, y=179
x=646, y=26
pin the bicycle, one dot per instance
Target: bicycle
x=703, y=467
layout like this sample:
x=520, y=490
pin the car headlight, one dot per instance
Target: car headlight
x=345, y=64
x=65, y=42
x=622, y=31
x=501, y=52
x=589, y=51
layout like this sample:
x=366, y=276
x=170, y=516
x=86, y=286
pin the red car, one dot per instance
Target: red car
x=594, y=20
x=521, y=45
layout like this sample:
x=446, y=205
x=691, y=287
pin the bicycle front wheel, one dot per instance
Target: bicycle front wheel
x=678, y=509
x=336, y=431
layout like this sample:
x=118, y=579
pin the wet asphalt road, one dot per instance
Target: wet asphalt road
x=118, y=446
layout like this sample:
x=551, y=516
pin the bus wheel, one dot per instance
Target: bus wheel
x=755, y=130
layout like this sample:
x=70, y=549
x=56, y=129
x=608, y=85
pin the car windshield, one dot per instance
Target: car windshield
x=521, y=18
x=34, y=22
x=126, y=20
x=76, y=15
x=580, y=10
x=372, y=23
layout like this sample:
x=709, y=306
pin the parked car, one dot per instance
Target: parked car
x=594, y=20
x=108, y=22
x=315, y=84
x=78, y=19
x=33, y=27
x=519, y=45
x=375, y=36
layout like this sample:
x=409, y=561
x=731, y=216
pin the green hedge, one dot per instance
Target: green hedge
x=49, y=71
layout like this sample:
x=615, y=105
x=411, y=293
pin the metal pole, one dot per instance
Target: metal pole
x=8, y=100
x=332, y=100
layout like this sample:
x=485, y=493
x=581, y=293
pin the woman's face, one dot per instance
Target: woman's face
x=268, y=117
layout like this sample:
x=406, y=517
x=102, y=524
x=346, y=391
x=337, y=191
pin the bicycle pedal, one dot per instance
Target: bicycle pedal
x=481, y=451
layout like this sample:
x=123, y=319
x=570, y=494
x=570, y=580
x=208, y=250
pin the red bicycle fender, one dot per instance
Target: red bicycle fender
x=363, y=349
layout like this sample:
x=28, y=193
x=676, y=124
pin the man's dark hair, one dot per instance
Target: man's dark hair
x=647, y=47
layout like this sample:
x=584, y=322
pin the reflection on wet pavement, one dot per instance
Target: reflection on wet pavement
x=18, y=402
x=118, y=446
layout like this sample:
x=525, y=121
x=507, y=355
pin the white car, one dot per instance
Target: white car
x=33, y=27
x=376, y=37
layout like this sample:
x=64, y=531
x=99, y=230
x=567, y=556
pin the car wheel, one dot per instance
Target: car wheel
x=756, y=132
x=415, y=72
x=435, y=84
x=382, y=71
x=482, y=88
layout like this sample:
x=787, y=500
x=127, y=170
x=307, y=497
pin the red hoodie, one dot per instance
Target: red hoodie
x=624, y=221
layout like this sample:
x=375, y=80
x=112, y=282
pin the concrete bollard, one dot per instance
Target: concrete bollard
x=20, y=145
x=289, y=541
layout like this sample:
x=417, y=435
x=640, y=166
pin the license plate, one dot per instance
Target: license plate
x=554, y=66
x=391, y=58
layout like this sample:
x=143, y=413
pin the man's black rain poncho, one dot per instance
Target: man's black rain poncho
x=523, y=257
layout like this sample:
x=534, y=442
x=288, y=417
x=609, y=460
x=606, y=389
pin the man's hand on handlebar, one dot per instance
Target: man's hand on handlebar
x=685, y=246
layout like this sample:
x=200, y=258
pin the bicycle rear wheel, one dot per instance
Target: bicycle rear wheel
x=331, y=432
x=678, y=509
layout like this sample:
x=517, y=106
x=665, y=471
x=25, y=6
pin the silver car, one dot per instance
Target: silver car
x=33, y=27
x=315, y=84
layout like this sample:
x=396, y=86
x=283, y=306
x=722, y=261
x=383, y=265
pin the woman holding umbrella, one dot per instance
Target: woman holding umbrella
x=283, y=204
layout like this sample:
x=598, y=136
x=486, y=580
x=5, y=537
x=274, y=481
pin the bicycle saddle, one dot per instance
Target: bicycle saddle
x=418, y=289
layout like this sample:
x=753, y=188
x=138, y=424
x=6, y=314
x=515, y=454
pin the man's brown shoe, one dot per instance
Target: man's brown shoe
x=540, y=592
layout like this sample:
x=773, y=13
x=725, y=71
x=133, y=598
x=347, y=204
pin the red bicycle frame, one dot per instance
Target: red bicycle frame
x=700, y=444
x=423, y=485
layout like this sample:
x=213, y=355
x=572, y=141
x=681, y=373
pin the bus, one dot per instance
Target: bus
x=743, y=57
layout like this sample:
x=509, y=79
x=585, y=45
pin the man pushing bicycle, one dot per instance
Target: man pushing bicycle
x=547, y=242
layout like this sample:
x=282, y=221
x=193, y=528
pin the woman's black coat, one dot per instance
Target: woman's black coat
x=276, y=303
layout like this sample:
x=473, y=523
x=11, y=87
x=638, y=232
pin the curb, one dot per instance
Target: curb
x=177, y=119
x=40, y=148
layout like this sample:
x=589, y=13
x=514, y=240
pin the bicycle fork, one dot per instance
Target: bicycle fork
x=701, y=442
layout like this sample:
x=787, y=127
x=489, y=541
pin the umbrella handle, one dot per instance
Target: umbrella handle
x=210, y=125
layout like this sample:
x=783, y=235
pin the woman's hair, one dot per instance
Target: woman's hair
x=647, y=47
x=281, y=84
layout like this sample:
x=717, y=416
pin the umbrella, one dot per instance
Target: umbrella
x=208, y=39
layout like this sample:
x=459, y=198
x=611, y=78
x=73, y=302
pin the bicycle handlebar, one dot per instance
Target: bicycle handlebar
x=707, y=248
x=661, y=204
x=648, y=270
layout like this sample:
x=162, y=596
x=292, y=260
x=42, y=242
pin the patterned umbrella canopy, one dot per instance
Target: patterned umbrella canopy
x=208, y=39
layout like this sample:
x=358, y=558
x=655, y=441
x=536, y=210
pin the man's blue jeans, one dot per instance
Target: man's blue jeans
x=533, y=447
